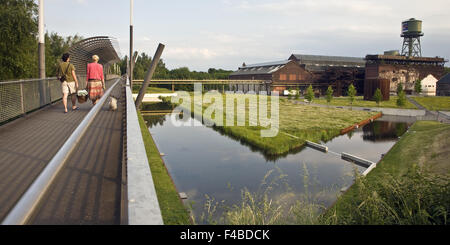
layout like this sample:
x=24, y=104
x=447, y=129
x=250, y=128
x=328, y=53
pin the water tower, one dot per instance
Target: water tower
x=411, y=32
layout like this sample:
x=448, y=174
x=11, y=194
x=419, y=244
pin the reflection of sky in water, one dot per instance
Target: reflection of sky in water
x=201, y=161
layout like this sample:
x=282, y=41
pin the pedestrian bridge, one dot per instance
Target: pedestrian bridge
x=88, y=166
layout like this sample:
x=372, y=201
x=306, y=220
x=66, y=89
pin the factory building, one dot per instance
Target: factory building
x=281, y=74
x=337, y=71
x=300, y=71
x=443, y=86
x=387, y=71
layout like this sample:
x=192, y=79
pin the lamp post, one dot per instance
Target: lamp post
x=41, y=55
x=131, y=44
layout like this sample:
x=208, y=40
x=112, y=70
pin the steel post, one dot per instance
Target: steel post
x=149, y=74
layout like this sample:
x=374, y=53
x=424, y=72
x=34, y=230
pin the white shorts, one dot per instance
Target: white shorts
x=68, y=87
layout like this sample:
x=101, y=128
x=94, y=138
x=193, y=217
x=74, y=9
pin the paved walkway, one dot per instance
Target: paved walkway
x=87, y=191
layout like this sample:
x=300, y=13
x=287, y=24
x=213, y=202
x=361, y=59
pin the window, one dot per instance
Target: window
x=292, y=77
x=283, y=77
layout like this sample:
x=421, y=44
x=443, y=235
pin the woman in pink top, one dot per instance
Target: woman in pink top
x=95, y=80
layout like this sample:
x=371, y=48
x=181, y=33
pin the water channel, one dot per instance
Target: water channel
x=202, y=162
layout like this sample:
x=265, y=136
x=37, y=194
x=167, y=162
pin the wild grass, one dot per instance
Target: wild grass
x=419, y=197
x=151, y=90
x=410, y=185
x=360, y=102
x=434, y=103
x=297, y=123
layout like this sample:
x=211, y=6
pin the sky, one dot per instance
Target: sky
x=202, y=34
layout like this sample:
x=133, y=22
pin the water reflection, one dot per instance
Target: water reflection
x=203, y=162
x=379, y=131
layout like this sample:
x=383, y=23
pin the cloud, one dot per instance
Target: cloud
x=186, y=53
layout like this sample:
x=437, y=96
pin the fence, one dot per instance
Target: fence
x=23, y=96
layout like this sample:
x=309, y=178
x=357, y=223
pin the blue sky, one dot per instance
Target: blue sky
x=201, y=34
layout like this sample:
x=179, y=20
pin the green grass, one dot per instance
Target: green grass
x=297, y=123
x=434, y=103
x=172, y=209
x=360, y=102
x=152, y=90
x=410, y=185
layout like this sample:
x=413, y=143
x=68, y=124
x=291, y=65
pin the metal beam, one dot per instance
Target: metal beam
x=149, y=74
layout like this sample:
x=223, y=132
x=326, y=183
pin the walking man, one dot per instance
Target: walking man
x=70, y=85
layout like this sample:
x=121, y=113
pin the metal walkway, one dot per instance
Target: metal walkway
x=87, y=191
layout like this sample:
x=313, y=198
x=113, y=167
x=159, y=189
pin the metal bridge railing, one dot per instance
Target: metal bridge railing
x=20, y=97
x=23, y=210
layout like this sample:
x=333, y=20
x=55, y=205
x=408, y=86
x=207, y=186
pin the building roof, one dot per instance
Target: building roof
x=445, y=79
x=402, y=58
x=260, y=68
x=322, y=60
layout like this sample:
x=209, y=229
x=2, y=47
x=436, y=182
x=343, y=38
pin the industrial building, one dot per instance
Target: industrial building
x=443, y=86
x=281, y=74
x=366, y=74
x=387, y=71
x=300, y=71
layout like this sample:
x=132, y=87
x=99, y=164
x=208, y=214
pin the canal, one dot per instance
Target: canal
x=209, y=166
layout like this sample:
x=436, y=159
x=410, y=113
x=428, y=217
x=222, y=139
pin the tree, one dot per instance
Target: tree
x=297, y=94
x=401, y=100
x=377, y=96
x=418, y=87
x=329, y=95
x=309, y=94
x=351, y=93
x=399, y=88
x=18, y=42
x=55, y=47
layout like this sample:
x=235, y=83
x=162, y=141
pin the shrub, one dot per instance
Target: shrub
x=377, y=96
x=418, y=86
x=401, y=100
x=399, y=88
x=351, y=93
x=329, y=95
x=309, y=94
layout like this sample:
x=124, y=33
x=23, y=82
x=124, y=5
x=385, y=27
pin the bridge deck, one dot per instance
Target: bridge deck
x=87, y=190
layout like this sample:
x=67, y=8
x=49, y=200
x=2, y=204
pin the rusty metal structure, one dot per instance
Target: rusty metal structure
x=107, y=48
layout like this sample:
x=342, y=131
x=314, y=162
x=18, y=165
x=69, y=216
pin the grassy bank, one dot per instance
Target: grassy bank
x=172, y=209
x=434, y=103
x=410, y=185
x=360, y=102
x=297, y=123
x=152, y=90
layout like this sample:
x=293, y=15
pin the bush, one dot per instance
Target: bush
x=351, y=93
x=377, y=96
x=399, y=88
x=329, y=95
x=418, y=87
x=309, y=94
x=401, y=100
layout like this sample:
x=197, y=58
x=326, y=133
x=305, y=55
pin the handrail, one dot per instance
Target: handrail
x=27, y=80
x=23, y=210
x=143, y=206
